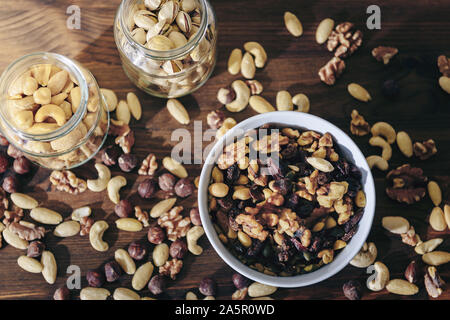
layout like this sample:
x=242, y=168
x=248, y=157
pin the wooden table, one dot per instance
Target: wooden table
x=420, y=30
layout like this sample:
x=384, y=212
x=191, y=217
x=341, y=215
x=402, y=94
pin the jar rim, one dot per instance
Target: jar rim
x=172, y=54
x=74, y=69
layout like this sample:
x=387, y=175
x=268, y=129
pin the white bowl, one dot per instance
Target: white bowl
x=351, y=153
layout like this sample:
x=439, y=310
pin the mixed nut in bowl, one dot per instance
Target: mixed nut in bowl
x=167, y=47
x=286, y=199
x=52, y=110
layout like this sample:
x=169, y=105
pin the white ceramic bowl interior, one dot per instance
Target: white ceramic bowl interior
x=351, y=153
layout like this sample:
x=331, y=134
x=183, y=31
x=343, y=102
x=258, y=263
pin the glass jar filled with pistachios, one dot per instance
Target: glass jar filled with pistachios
x=167, y=47
x=52, y=111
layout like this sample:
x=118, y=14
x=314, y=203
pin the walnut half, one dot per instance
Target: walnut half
x=384, y=54
x=406, y=184
x=359, y=126
x=67, y=181
x=331, y=71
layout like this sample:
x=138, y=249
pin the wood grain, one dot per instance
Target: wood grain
x=419, y=31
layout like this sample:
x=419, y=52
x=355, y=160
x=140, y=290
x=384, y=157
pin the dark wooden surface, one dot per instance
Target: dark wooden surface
x=420, y=29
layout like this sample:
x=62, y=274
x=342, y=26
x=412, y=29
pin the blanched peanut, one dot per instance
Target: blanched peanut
x=125, y=294
x=174, y=167
x=218, y=190
x=160, y=254
x=248, y=67
x=124, y=260
x=234, y=61
x=91, y=293
x=123, y=112
x=142, y=276
x=111, y=99
x=50, y=267
x=293, y=24
x=257, y=289
x=29, y=264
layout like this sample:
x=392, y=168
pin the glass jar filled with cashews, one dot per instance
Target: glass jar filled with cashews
x=51, y=109
x=167, y=47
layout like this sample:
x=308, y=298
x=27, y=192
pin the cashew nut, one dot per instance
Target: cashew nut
x=51, y=111
x=378, y=162
x=366, y=256
x=192, y=236
x=96, y=235
x=384, y=129
x=258, y=52
x=114, y=186
x=104, y=175
x=23, y=119
x=42, y=128
x=381, y=279
x=302, y=102
x=380, y=142
x=242, y=96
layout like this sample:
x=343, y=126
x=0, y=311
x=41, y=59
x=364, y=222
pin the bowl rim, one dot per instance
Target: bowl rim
x=364, y=226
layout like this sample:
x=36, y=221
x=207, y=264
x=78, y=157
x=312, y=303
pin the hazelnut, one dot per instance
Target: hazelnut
x=184, y=188
x=11, y=184
x=352, y=290
x=110, y=155
x=4, y=163
x=13, y=152
x=3, y=141
x=22, y=165
x=178, y=249
x=95, y=278
x=413, y=272
x=157, y=284
x=123, y=209
x=62, y=293
x=167, y=181
x=215, y=118
x=240, y=281
x=112, y=271
x=137, y=250
x=194, y=214
x=35, y=249
x=156, y=235
x=127, y=162
x=207, y=287
x=147, y=188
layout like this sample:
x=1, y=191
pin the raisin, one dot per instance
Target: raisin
x=232, y=174
x=256, y=193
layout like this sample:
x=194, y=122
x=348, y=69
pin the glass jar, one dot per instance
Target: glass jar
x=36, y=127
x=175, y=72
